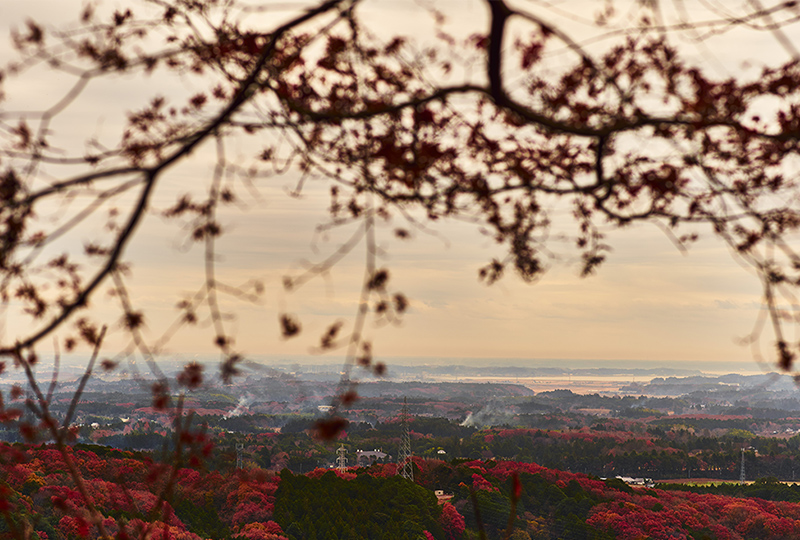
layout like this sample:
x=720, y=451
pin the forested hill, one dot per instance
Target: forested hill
x=39, y=496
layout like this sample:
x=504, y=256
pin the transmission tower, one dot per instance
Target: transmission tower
x=741, y=473
x=239, y=451
x=404, y=464
x=341, y=460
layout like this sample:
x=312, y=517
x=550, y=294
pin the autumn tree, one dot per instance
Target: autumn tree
x=486, y=126
x=505, y=127
x=452, y=522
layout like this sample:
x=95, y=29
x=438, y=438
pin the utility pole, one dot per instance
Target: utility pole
x=239, y=460
x=405, y=466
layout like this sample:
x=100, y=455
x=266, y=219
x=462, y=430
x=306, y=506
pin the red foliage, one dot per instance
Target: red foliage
x=452, y=522
x=479, y=483
x=261, y=531
x=383, y=470
x=249, y=512
x=725, y=517
x=246, y=501
x=74, y=527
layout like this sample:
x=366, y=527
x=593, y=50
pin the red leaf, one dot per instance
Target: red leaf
x=82, y=527
x=329, y=428
x=192, y=376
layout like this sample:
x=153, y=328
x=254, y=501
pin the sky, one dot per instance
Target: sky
x=649, y=304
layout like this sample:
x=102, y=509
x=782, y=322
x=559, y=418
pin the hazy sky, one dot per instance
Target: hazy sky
x=648, y=303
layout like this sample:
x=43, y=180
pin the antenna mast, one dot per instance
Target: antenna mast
x=404, y=464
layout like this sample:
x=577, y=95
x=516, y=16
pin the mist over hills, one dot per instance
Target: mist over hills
x=660, y=367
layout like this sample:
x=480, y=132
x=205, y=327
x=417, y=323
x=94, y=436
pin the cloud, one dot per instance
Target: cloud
x=726, y=304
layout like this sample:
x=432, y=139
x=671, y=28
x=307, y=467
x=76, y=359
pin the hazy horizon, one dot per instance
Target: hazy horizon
x=78, y=361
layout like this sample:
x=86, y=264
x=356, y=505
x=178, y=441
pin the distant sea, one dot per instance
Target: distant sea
x=73, y=363
x=711, y=367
